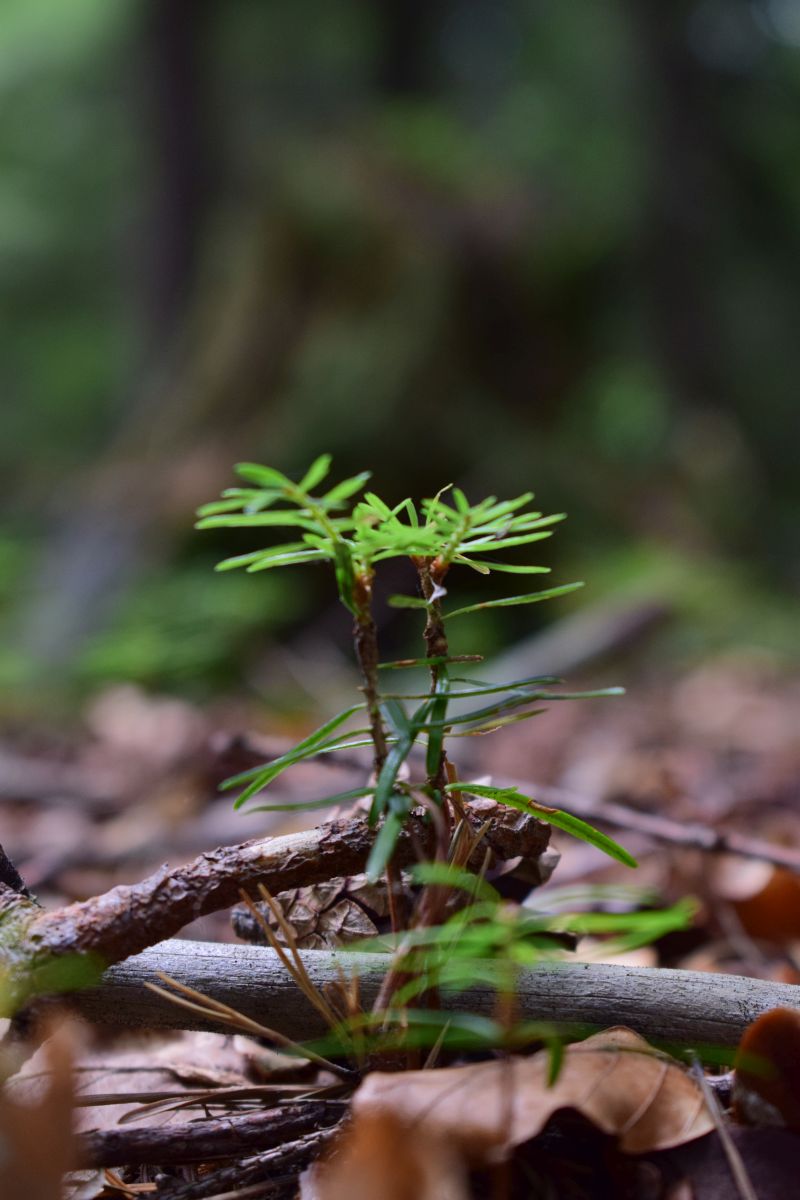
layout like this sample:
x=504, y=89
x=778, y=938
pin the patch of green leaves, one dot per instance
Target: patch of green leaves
x=373, y=531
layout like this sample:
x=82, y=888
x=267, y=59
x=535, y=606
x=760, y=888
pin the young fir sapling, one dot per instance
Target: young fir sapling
x=355, y=537
x=436, y=947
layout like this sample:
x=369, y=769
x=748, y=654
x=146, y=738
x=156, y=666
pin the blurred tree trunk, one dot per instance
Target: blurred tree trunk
x=216, y=347
x=712, y=216
x=97, y=543
x=685, y=197
x=172, y=60
x=406, y=59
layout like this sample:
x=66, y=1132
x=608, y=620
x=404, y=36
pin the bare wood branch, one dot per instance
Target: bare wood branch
x=128, y=918
x=687, y=1007
x=228, y=1136
x=125, y=920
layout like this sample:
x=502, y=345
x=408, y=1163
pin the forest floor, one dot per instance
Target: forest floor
x=666, y=770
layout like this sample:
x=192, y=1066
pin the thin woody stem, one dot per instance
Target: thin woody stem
x=365, y=637
x=431, y=907
x=431, y=573
x=430, y=579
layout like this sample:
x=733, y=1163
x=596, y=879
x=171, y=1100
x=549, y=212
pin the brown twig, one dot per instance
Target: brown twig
x=200, y=1141
x=131, y=917
x=431, y=575
x=268, y=1166
x=365, y=639
x=430, y=578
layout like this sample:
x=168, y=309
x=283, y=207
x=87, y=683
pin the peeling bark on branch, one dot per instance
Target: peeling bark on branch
x=127, y=919
x=692, y=1008
x=131, y=917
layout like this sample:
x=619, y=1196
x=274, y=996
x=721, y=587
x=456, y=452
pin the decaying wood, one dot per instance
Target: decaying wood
x=125, y=920
x=228, y=1136
x=687, y=1007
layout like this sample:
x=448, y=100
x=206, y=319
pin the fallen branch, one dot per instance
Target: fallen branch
x=111, y=927
x=227, y=1136
x=691, y=1008
x=125, y=920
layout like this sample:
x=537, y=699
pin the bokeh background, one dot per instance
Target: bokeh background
x=503, y=243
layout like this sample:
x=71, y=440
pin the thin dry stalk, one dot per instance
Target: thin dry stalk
x=205, y=1006
x=735, y=1161
x=294, y=964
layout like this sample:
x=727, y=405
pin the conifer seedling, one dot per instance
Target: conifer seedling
x=353, y=531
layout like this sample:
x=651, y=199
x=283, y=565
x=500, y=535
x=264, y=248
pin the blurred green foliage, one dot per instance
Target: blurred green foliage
x=176, y=631
x=505, y=243
x=67, y=340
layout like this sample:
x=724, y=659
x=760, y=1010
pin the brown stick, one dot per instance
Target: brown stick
x=435, y=634
x=691, y=1008
x=131, y=917
x=365, y=640
x=228, y=1136
x=270, y=1166
x=128, y=918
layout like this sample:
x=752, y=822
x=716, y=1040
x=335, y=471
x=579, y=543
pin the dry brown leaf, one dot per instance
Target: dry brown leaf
x=380, y=1157
x=773, y=913
x=177, y=1065
x=27, y=1130
x=615, y=1079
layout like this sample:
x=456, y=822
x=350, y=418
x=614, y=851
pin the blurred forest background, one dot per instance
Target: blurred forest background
x=503, y=243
